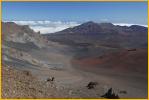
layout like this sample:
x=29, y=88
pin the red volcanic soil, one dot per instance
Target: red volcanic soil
x=134, y=60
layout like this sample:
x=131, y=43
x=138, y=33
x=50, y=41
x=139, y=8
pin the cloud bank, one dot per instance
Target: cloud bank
x=126, y=24
x=47, y=26
x=55, y=26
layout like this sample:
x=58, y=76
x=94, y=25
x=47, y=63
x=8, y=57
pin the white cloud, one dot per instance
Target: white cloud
x=126, y=24
x=50, y=29
x=47, y=26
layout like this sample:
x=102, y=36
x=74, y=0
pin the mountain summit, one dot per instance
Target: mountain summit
x=88, y=28
x=103, y=33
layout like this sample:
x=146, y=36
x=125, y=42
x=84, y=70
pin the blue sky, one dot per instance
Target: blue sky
x=115, y=12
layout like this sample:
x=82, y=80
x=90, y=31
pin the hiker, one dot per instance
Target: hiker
x=91, y=85
x=50, y=79
x=123, y=92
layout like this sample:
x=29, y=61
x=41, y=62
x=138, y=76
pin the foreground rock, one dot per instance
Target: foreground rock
x=21, y=84
x=110, y=95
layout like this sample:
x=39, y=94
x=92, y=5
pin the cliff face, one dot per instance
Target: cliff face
x=25, y=49
x=21, y=34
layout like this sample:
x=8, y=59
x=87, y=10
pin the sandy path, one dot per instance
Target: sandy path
x=134, y=84
x=75, y=79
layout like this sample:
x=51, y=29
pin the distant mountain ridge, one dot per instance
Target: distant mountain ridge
x=99, y=28
x=103, y=33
